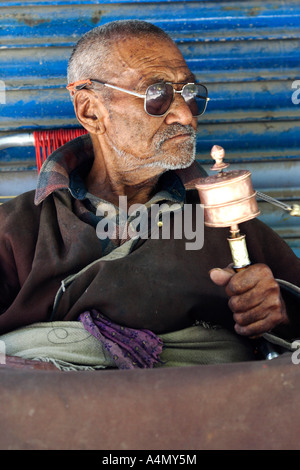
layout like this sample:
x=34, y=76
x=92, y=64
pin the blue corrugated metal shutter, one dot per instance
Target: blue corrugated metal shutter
x=247, y=53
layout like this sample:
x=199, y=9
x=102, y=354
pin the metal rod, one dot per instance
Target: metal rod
x=273, y=201
x=294, y=209
x=25, y=139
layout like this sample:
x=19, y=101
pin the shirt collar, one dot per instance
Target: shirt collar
x=54, y=174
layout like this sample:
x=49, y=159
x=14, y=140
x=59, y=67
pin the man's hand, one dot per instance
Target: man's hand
x=254, y=298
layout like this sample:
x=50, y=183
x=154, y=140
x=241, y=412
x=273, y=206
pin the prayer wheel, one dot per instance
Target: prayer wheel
x=229, y=199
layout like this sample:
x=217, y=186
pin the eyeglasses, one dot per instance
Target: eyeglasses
x=159, y=96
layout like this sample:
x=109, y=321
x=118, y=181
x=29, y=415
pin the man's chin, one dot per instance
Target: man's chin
x=178, y=166
x=171, y=164
x=178, y=163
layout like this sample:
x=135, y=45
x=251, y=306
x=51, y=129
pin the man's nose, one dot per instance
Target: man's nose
x=179, y=112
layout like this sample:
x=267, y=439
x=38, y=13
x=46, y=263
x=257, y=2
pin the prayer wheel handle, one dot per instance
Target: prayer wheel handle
x=229, y=199
x=241, y=261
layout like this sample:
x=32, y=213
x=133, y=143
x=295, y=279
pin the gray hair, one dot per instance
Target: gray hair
x=93, y=50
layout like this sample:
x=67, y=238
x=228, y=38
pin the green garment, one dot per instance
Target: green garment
x=70, y=347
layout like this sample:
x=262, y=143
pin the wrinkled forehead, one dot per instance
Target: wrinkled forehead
x=146, y=57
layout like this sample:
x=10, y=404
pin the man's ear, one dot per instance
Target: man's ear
x=90, y=111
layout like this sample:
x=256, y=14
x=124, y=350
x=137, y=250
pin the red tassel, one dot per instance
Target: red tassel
x=47, y=141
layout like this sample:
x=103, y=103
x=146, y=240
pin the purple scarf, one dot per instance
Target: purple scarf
x=128, y=348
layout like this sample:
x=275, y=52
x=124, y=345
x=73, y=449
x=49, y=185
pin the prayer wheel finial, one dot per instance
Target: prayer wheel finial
x=218, y=154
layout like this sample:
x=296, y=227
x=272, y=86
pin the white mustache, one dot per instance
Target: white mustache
x=173, y=131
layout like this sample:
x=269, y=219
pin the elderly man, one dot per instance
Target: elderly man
x=65, y=253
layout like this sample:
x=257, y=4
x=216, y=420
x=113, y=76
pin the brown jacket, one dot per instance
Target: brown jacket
x=160, y=285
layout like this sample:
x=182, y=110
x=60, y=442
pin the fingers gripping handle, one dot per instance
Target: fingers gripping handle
x=240, y=257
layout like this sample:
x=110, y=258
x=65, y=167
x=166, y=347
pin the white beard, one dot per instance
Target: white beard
x=183, y=157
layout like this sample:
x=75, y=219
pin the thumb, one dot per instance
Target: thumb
x=221, y=277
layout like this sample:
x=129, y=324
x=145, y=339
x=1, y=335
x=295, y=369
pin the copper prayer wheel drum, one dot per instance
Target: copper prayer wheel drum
x=228, y=197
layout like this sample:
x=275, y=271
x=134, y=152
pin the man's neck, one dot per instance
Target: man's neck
x=109, y=181
x=111, y=189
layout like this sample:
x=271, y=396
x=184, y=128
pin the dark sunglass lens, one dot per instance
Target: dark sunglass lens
x=158, y=98
x=195, y=97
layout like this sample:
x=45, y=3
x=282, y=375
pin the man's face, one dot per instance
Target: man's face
x=137, y=139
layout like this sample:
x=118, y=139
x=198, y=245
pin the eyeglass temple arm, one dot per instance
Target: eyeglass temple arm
x=80, y=84
x=118, y=88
